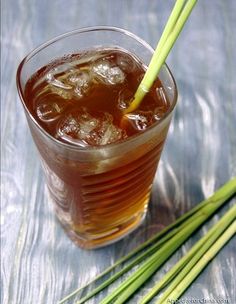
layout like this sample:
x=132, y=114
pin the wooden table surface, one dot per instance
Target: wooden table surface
x=39, y=263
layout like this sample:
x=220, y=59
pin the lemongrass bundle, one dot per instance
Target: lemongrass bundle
x=154, y=252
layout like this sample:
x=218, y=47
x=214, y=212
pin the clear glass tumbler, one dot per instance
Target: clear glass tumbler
x=100, y=193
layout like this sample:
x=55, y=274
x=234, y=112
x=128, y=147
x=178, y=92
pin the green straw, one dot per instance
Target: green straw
x=170, y=34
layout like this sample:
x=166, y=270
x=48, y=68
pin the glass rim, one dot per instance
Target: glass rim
x=84, y=30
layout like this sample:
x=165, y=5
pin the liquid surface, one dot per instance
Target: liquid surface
x=80, y=99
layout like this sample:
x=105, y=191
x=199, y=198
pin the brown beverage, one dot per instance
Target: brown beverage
x=80, y=99
x=98, y=165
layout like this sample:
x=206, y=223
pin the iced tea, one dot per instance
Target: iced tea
x=99, y=164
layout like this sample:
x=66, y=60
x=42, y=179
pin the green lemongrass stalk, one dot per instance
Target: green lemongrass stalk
x=136, y=279
x=136, y=261
x=220, y=196
x=140, y=258
x=150, y=266
x=160, y=238
x=174, y=26
x=189, y=260
x=200, y=265
x=168, y=28
x=156, y=245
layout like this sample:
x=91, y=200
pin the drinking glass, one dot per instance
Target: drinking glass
x=101, y=193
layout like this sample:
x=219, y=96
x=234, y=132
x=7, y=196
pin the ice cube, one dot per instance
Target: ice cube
x=61, y=92
x=87, y=124
x=109, y=133
x=75, y=82
x=125, y=63
x=161, y=94
x=115, y=75
x=158, y=113
x=69, y=126
x=58, y=85
x=125, y=98
x=49, y=111
x=77, y=126
x=101, y=67
x=106, y=132
x=105, y=73
x=81, y=81
x=141, y=120
x=81, y=76
x=84, y=128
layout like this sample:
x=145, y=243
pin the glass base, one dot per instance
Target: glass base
x=110, y=237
